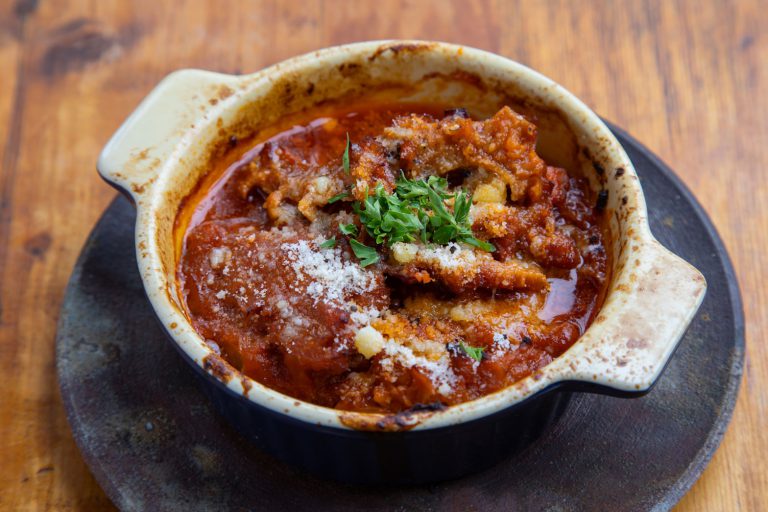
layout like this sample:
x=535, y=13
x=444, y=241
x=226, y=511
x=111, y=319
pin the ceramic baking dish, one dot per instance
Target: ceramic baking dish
x=166, y=145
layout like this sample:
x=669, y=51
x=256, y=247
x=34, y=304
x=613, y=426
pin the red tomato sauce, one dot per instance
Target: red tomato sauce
x=271, y=281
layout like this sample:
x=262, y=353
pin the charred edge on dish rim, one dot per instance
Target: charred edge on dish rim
x=398, y=422
x=460, y=75
x=396, y=48
x=219, y=368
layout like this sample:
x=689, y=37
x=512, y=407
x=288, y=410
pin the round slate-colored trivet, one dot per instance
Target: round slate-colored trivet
x=154, y=443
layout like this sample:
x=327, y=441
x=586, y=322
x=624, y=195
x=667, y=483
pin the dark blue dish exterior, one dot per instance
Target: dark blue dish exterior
x=408, y=457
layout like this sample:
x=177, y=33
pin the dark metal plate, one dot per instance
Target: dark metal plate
x=154, y=442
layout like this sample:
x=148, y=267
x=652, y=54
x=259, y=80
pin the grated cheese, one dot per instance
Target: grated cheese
x=219, y=256
x=450, y=256
x=332, y=277
x=364, y=316
x=438, y=369
x=369, y=341
x=501, y=341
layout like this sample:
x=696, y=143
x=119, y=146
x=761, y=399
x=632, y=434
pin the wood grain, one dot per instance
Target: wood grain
x=689, y=78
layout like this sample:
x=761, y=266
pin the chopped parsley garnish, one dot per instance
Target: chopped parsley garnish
x=366, y=255
x=475, y=353
x=338, y=197
x=329, y=244
x=417, y=209
x=348, y=229
x=345, y=157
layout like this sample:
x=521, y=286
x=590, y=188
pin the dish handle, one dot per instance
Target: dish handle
x=638, y=329
x=170, y=115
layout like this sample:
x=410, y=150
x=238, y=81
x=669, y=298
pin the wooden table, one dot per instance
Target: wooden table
x=689, y=78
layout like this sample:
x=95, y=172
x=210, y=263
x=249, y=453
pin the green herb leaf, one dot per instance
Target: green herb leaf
x=480, y=244
x=338, y=197
x=475, y=353
x=366, y=255
x=329, y=244
x=461, y=207
x=345, y=157
x=348, y=229
x=443, y=235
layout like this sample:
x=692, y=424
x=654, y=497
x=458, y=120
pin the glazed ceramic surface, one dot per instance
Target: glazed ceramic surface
x=166, y=146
